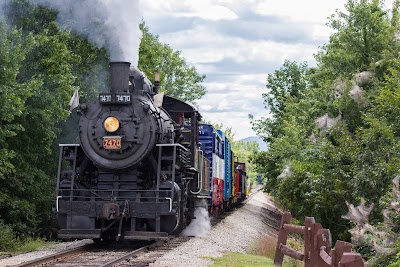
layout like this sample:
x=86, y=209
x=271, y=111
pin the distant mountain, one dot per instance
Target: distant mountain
x=261, y=144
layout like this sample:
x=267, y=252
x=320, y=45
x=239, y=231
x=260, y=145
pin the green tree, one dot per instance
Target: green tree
x=178, y=79
x=46, y=65
x=289, y=82
x=13, y=95
x=362, y=34
x=327, y=146
x=13, y=98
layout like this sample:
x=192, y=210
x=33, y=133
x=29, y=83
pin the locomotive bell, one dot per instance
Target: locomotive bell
x=119, y=76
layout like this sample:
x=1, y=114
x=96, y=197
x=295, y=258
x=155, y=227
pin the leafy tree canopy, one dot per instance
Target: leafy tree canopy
x=178, y=79
x=333, y=129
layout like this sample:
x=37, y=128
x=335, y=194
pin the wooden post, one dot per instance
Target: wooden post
x=324, y=244
x=282, y=238
x=309, y=259
x=337, y=252
x=351, y=260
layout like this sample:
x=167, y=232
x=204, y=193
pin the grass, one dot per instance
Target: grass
x=242, y=260
x=16, y=246
x=31, y=245
x=10, y=244
x=297, y=244
x=260, y=253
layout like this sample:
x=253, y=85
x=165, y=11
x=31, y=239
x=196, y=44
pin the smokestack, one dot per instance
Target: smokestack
x=119, y=76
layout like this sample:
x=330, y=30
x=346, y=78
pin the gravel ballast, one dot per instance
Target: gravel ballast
x=236, y=232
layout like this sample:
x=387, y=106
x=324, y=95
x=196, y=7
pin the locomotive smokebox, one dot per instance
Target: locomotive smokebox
x=119, y=76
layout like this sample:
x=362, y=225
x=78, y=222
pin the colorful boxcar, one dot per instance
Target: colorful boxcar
x=211, y=143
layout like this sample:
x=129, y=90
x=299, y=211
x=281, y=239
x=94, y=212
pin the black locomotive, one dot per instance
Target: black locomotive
x=137, y=172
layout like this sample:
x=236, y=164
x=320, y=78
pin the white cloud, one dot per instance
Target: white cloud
x=213, y=12
x=205, y=9
x=237, y=43
x=303, y=11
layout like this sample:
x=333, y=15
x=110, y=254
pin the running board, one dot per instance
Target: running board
x=143, y=235
x=79, y=233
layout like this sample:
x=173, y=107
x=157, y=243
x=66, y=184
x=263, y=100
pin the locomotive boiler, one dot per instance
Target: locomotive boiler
x=137, y=172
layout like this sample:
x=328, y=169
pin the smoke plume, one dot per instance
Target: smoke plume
x=200, y=226
x=109, y=24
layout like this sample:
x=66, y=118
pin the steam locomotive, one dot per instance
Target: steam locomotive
x=138, y=172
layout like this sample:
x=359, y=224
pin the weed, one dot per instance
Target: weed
x=265, y=246
x=241, y=260
x=10, y=244
x=31, y=244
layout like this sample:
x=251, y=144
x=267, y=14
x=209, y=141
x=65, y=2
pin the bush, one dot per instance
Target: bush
x=8, y=241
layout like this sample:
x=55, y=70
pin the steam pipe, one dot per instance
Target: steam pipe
x=200, y=180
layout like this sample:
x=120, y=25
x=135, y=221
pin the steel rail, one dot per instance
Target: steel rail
x=55, y=256
x=131, y=254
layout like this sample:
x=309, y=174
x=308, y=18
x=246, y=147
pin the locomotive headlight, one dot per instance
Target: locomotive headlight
x=111, y=124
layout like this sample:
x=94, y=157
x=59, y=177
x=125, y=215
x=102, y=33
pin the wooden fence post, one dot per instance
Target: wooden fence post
x=311, y=250
x=351, y=260
x=324, y=244
x=317, y=246
x=337, y=252
x=282, y=238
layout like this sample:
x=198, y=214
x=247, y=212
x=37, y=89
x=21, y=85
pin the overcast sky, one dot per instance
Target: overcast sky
x=237, y=43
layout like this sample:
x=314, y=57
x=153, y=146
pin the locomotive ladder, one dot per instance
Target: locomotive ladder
x=68, y=153
x=167, y=153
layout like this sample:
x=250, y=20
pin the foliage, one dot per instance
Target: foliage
x=178, y=79
x=31, y=244
x=334, y=130
x=13, y=94
x=242, y=260
x=8, y=241
x=286, y=84
x=379, y=242
x=363, y=34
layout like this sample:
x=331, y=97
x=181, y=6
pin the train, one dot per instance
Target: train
x=143, y=165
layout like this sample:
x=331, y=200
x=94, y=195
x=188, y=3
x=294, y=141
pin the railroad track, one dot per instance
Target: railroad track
x=269, y=215
x=138, y=254
x=154, y=253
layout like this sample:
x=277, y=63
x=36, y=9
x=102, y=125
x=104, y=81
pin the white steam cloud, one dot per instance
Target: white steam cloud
x=200, y=226
x=109, y=24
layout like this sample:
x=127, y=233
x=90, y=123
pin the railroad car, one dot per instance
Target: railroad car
x=143, y=165
x=239, y=188
x=211, y=143
x=227, y=169
x=228, y=180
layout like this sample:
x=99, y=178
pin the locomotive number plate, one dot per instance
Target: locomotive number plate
x=112, y=142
